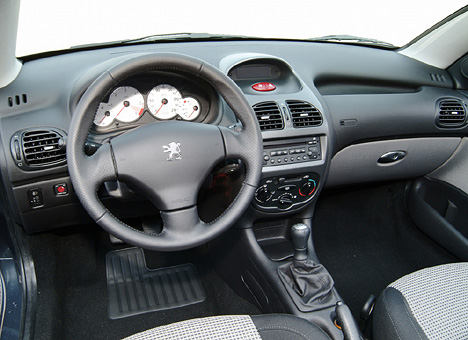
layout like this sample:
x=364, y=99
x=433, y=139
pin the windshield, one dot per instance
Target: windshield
x=48, y=25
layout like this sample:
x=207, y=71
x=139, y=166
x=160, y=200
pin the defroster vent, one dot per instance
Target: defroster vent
x=452, y=113
x=38, y=148
x=269, y=116
x=304, y=114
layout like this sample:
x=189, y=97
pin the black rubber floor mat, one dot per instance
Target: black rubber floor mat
x=134, y=289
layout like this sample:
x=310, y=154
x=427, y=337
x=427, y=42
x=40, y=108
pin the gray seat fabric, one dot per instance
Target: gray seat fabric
x=237, y=327
x=431, y=303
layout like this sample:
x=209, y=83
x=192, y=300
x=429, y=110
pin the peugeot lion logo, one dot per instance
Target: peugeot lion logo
x=174, y=151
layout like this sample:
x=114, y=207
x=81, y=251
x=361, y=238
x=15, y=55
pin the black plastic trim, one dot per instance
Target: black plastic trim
x=441, y=211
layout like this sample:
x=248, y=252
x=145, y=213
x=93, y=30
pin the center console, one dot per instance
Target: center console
x=268, y=257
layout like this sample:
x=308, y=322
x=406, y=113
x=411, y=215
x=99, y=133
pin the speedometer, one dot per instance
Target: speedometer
x=163, y=101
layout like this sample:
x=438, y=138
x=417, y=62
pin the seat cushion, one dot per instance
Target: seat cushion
x=266, y=327
x=428, y=304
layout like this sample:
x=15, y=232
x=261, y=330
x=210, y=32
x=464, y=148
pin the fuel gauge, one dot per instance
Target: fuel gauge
x=189, y=108
x=103, y=115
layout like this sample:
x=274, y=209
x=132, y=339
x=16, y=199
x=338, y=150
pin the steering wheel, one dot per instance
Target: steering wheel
x=167, y=161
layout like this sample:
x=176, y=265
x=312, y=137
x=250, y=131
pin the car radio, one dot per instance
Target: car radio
x=295, y=151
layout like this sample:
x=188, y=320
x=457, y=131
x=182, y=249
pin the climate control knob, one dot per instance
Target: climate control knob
x=263, y=194
x=308, y=188
x=285, y=200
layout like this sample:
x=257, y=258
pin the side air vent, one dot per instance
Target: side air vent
x=38, y=148
x=269, y=116
x=304, y=114
x=452, y=113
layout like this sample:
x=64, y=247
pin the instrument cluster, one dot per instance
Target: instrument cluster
x=144, y=98
x=126, y=104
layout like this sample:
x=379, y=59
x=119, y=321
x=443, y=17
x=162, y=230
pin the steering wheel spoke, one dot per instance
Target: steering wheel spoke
x=99, y=167
x=235, y=143
x=88, y=173
x=240, y=145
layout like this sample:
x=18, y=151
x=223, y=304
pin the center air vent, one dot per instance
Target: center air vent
x=38, y=148
x=451, y=113
x=304, y=114
x=269, y=116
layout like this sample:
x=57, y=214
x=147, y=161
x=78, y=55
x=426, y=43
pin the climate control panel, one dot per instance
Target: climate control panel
x=286, y=192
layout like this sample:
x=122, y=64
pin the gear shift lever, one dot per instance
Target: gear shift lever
x=309, y=284
x=300, y=233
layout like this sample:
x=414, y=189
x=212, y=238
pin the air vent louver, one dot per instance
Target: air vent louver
x=41, y=148
x=304, y=114
x=269, y=116
x=452, y=113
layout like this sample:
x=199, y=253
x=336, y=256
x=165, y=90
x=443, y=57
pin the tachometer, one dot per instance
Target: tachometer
x=126, y=104
x=189, y=108
x=163, y=101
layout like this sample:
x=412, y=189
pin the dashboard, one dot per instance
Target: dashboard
x=327, y=112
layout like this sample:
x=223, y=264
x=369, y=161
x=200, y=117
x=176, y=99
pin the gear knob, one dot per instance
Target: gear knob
x=300, y=233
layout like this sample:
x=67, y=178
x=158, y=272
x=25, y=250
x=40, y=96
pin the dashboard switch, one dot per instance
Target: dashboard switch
x=286, y=187
x=61, y=189
x=35, y=197
x=264, y=87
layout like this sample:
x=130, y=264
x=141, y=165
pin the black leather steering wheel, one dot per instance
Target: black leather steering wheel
x=167, y=161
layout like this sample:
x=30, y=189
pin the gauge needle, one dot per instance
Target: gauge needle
x=160, y=108
x=190, y=115
x=106, y=114
x=120, y=111
x=125, y=104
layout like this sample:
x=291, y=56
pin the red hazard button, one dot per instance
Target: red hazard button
x=264, y=86
x=61, y=189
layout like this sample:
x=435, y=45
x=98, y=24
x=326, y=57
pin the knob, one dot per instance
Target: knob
x=307, y=188
x=285, y=200
x=263, y=194
x=300, y=233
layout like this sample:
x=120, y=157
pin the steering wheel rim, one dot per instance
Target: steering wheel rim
x=116, y=161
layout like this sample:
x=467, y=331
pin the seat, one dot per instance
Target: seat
x=431, y=303
x=237, y=327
